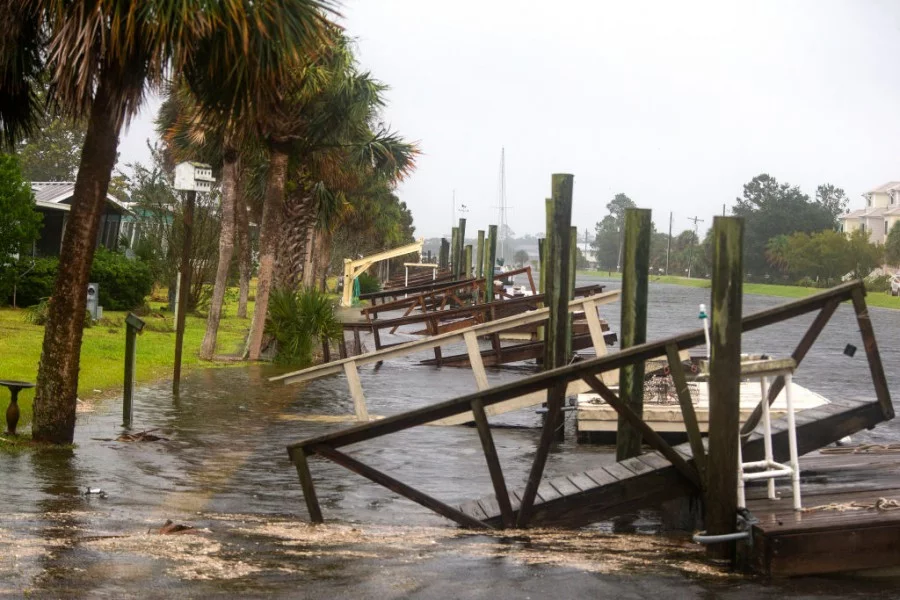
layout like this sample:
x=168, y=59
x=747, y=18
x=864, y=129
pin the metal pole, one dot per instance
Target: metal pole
x=669, y=243
x=185, y=282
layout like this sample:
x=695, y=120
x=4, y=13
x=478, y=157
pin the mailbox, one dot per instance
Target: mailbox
x=93, y=300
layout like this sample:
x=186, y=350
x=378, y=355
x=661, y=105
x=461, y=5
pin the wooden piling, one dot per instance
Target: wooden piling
x=558, y=332
x=479, y=255
x=461, y=247
x=724, y=382
x=443, y=254
x=633, y=329
x=454, y=252
x=490, y=259
x=542, y=285
x=467, y=261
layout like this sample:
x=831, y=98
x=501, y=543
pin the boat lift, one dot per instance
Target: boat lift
x=354, y=268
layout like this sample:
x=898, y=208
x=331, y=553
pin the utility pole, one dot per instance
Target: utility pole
x=669, y=243
x=691, y=251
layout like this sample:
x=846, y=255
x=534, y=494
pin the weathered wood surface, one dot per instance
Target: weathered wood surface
x=621, y=488
x=834, y=537
x=633, y=329
x=724, y=382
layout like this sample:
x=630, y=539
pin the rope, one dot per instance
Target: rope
x=881, y=505
x=864, y=449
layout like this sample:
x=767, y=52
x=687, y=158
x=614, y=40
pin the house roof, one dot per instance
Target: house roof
x=887, y=187
x=866, y=213
x=58, y=192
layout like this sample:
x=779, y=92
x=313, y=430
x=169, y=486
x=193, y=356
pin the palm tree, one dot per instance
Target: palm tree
x=101, y=57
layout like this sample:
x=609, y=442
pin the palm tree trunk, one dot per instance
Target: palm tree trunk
x=242, y=222
x=226, y=249
x=322, y=257
x=309, y=270
x=297, y=216
x=57, y=378
x=268, y=245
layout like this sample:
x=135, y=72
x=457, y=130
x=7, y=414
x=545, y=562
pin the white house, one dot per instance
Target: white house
x=881, y=212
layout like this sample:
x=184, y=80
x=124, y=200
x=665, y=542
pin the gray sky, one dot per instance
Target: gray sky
x=677, y=104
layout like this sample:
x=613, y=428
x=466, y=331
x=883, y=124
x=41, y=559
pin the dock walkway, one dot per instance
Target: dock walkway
x=582, y=498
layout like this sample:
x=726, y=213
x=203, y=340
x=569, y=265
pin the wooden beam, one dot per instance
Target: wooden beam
x=490, y=260
x=356, y=391
x=477, y=364
x=399, y=487
x=724, y=382
x=306, y=483
x=461, y=248
x=633, y=330
x=493, y=462
x=653, y=439
x=687, y=409
x=872, y=355
x=479, y=255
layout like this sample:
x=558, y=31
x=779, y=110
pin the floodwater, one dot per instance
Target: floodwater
x=223, y=469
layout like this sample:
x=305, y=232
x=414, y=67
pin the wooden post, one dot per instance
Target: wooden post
x=443, y=254
x=461, y=245
x=633, y=330
x=467, y=261
x=298, y=457
x=490, y=258
x=724, y=382
x=454, y=252
x=128, y=392
x=479, y=255
x=190, y=200
x=541, y=283
x=558, y=335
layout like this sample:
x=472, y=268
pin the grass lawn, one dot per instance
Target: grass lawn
x=103, y=351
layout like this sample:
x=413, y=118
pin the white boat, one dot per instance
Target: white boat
x=597, y=421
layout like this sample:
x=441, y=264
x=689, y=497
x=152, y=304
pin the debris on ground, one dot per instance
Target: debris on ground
x=95, y=492
x=141, y=436
x=171, y=527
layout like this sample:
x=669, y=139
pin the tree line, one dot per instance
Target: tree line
x=789, y=237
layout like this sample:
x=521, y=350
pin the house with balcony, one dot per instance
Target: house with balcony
x=882, y=210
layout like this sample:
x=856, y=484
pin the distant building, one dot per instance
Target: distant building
x=881, y=212
x=53, y=199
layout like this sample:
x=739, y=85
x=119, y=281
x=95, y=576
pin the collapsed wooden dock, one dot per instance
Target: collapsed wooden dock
x=608, y=490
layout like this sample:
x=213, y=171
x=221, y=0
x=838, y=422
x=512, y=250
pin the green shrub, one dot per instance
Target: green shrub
x=33, y=280
x=37, y=314
x=124, y=282
x=368, y=284
x=299, y=320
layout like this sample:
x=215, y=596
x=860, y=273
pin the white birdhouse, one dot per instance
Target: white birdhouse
x=193, y=177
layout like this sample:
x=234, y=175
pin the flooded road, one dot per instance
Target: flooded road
x=223, y=469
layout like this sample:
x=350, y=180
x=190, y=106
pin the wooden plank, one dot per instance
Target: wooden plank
x=582, y=481
x=874, y=358
x=688, y=414
x=654, y=460
x=481, y=380
x=474, y=509
x=306, y=484
x=564, y=486
x=838, y=550
x=635, y=465
x=600, y=476
x=493, y=462
x=399, y=487
x=647, y=433
x=617, y=471
x=724, y=382
x=633, y=329
x=547, y=492
x=356, y=391
x=806, y=342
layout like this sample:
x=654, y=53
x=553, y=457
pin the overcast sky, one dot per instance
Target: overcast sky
x=676, y=104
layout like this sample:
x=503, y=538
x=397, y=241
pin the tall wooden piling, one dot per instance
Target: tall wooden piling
x=462, y=246
x=558, y=332
x=454, y=252
x=724, y=382
x=444, y=254
x=633, y=329
x=467, y=261
x=490, y=259
x=479, y=255
x=541, y=266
